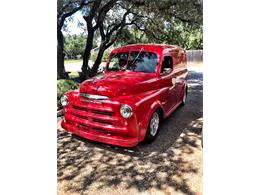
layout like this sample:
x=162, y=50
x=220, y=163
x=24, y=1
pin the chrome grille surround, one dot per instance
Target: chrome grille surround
x=94, y=97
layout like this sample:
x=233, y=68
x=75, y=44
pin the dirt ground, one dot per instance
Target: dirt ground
x=170, y=165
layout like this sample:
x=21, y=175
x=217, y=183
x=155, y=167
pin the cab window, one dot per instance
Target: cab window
x=118, y=61
x=167, y=65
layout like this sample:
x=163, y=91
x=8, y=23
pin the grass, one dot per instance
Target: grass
x=73, y=74
x=72, y=60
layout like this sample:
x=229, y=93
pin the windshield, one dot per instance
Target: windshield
x=142, y=61
x=138, y=61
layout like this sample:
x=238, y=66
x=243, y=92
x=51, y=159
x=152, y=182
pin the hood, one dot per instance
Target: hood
x=114, y=84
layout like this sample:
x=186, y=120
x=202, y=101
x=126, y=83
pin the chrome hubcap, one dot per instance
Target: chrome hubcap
x=154, y=124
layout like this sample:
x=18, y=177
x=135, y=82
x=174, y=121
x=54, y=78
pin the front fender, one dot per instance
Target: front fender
x=143, y=106
x=145, y=116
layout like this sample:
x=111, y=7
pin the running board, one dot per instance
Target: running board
x=172, y=109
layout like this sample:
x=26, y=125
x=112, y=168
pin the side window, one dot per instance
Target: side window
x=167, y=65
x=118, y=61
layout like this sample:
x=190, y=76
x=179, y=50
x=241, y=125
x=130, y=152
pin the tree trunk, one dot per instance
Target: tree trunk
x=97, y=61
x=61, y=73
x=85, y=67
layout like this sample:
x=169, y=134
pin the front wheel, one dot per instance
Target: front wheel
x=153, y=127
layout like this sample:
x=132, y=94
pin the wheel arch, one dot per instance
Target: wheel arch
x=155, y=106
x=184, y=89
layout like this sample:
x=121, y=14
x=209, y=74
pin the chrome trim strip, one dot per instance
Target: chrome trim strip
x=94, y=97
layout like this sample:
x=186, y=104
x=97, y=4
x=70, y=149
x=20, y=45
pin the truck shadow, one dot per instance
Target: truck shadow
x=82, y=163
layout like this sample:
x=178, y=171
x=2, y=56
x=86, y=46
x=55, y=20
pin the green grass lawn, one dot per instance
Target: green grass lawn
x=73, y=74
x=72, y=60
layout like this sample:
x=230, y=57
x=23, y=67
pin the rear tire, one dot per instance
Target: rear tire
x=153, y=127
x=184, y=98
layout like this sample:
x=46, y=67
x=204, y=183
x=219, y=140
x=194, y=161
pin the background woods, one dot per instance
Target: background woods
x=113, y=23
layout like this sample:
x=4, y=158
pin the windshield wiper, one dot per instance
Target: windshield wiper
x=138, y=55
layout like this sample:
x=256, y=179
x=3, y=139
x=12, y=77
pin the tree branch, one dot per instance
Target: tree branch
x=63, y=8
x=68, y=14
x=122, y=23
x=186, y=20
x=93, y=11
x=102, y=33
x=103, y=12
x=107, y=45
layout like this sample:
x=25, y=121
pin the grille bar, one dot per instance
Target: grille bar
x=102, y=112
x=90, y=106
x=92, y=124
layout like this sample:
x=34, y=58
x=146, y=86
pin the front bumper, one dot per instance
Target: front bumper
x=99, y=136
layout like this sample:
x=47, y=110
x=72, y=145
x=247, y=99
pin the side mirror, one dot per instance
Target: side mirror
x=166, y=71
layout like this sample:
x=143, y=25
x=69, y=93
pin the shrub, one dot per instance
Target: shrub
x=63, y=86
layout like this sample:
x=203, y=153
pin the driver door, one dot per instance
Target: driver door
x=169, y=80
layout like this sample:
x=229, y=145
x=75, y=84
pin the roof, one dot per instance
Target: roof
x=150, y=46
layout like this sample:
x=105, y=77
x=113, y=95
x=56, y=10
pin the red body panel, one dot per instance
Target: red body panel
x=100, y=120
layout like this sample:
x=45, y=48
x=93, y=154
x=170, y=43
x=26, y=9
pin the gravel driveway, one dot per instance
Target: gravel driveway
x=170, y=165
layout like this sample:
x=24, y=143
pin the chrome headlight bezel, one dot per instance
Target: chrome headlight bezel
x=64, y=100
x=126, y=111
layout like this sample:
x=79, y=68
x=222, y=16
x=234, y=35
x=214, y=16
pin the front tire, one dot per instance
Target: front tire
x=153, y=127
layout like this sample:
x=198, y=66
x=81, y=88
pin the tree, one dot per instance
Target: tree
x=110, y=18
x=182, y=26
x=173, y=22
x=130, y=21
x=110, y=29
x=65, y=9
x=185, y=35
x=93, y=19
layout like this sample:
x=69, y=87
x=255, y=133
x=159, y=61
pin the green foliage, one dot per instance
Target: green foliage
x=184, y=35
x=93, y=56
x=105, y=56
x=131, y=35
x=63, y=86
x=181, y=34
x=74, y=45
x=172, y=22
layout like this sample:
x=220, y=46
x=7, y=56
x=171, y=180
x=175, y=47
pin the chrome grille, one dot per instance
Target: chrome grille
x=94, y=97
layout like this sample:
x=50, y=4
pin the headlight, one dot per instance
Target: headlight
x=126, y=111
x=64, y=100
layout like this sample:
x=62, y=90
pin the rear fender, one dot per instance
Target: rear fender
x=184, y=88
